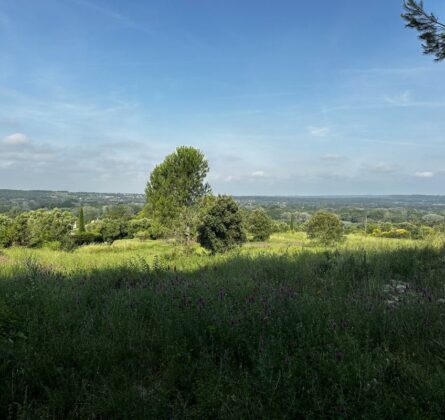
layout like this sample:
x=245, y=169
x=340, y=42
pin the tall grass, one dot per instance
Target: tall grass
x=284, y=331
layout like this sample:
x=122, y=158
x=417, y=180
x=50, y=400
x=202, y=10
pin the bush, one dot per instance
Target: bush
x=112, y=229
x=325, y=227
x=138, y=225
x=279, y=227
x=52, y=245
x=394, y=233
x=143, y=235
x=158, y=231
x=222, y=227
x=85, y=238
x=35, y=228
x=5, y=231
x=260, y=225
x=432, y=219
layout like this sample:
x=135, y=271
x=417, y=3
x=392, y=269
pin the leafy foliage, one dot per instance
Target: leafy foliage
x=432, y=32
x=85, y=238
x=5, y=231
x=141, y=224
x=260, y=225
x=112, y=229
x=35, y=228
x=325, y=227
x=120, y=211
x=175, y=184
x=222, y=227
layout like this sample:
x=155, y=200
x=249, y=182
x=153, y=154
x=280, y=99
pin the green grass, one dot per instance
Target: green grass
x=274, y=330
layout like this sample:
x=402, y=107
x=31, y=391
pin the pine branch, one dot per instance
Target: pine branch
x=432, y=31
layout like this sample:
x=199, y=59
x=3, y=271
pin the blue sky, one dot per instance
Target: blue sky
x=283, y=97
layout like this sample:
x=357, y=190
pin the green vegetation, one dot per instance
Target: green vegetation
x=334, y=309
x=81, y=227
x=260, y=225
x=280, y=329
x=175, y=185
x=325, y=228
x=222, y=227
x=5, y=230
x=41, y=227
x=432, y=31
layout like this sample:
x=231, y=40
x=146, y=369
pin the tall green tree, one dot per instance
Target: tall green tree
x=81, y=221
x=292, y=221
x=176, y=184
x=432, y=31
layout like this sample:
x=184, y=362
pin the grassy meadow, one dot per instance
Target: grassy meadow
x=281, y=329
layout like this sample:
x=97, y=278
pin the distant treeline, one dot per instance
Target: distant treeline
x=355, y=209
x=179, y=204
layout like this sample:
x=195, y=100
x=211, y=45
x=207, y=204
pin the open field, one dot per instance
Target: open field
x=274, y=330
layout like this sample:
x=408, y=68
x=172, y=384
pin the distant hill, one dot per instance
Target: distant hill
x=32, y=200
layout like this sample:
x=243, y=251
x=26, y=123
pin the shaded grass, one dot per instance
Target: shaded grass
x=302, y=333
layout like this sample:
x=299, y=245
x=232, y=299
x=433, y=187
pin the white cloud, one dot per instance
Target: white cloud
x=318, y=131
x=426, y=174
x=259, y=174
x=381, y=168
x=16, y=139
x=401, y=100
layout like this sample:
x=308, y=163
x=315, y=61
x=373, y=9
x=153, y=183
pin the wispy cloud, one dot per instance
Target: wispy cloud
x=318, y=131
x=399, y=100
x=380, y=168
x=259, y=174
x=425, y=174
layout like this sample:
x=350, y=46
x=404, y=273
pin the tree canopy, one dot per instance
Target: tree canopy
x=222, y=227
x=325, y=227
x=432, y=31
x=175, y=184
x=260, y=225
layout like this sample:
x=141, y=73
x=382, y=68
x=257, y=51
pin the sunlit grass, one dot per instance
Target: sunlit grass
x=281, y=329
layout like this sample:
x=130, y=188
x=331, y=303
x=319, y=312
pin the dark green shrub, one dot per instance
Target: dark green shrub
x=113, y=229
x=85, y=238
x=222, y=227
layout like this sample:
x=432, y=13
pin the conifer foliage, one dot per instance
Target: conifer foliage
x=432, y=32
x=81, y=221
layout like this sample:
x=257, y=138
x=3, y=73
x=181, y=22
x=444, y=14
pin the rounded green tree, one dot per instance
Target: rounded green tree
x=325, y=228
x=222, y=227
x=260, y=225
